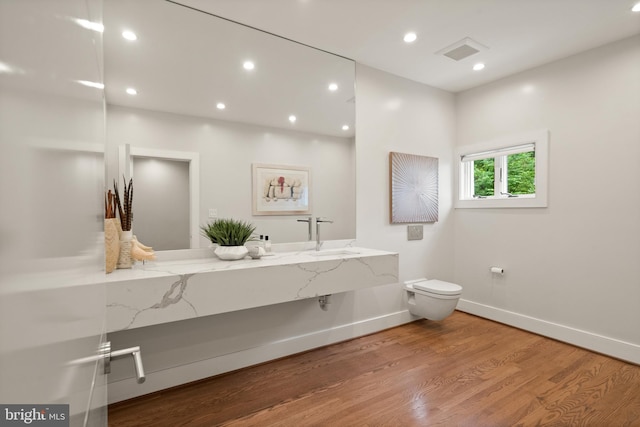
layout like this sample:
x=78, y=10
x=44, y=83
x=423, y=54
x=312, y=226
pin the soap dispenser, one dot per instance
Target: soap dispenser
x=267, y=244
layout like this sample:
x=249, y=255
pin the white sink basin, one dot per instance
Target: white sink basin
x=335, y=252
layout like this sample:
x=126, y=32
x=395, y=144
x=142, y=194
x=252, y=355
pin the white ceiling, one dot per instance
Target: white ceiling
x=520, y=34
x=186, y=62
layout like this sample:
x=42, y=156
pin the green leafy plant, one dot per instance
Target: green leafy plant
x=228, y=232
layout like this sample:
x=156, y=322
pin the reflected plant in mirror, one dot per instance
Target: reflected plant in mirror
x=229, y=235
x=228, y=232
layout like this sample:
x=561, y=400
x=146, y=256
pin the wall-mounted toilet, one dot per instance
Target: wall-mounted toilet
x=432, y=299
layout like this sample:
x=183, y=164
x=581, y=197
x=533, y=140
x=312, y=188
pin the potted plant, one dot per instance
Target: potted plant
x=230, y=235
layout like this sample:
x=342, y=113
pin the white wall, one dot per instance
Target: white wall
x=393, y=114
x=396, y=114
x=227, y=151
x=572, y=269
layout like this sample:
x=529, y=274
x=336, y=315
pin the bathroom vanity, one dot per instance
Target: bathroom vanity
x=201, y=285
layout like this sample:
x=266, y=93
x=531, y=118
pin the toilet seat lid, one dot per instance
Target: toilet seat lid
x=438, y=287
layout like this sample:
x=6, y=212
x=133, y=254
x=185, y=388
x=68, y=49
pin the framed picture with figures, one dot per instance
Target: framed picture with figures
x=280, y=189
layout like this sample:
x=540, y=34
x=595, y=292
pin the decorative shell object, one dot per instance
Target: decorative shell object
x=141, y=252
x=231, y=253
x=256, y=252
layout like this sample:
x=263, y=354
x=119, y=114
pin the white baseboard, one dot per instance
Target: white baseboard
x=170, y=377
x=609, y=346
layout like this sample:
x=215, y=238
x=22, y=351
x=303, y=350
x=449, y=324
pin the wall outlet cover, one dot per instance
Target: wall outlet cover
x=414, y=232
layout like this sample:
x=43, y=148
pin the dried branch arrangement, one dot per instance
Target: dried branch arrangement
x=125, y=208
x=109, y=205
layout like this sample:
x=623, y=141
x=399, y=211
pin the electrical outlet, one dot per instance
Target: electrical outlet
x=213, y=213
x=414, y=232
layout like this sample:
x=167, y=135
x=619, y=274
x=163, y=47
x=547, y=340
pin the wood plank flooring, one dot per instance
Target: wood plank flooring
x=463, y=371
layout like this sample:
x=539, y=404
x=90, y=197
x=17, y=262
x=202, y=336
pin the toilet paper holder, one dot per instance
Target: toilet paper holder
x=497, y=270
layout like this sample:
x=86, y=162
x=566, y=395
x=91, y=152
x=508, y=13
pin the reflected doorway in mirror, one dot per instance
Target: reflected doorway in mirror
x=161, y=174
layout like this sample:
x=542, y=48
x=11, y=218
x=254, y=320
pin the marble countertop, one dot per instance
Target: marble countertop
x=209, y=264
x=172, y=289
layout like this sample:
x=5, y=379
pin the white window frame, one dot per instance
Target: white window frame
x=499, y=149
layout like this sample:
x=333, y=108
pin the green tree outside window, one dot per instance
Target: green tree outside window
x=522, y=173
x=483, y=176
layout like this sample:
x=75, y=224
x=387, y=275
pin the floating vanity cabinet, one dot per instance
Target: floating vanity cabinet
x=168, y=291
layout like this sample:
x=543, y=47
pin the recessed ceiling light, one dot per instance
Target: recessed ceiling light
x=410, y=37
x=9, y=69
x=91, y=84
x=479, y=66
x=4, y=68
x=132, y=91
x=220, y=106
x=129, y=35
x=95, y=26
x=345, y=127
x=528, y=88
x=636, y=7
x=292, y=118
x=333, y=87
x=248, y=65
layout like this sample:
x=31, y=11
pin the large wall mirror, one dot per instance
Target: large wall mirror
x=196, y=93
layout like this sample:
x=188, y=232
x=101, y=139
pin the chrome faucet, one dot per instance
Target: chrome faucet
x=318, y=221
x=308, y=220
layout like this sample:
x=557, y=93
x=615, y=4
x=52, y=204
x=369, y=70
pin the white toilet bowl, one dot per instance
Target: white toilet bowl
x=432, y=299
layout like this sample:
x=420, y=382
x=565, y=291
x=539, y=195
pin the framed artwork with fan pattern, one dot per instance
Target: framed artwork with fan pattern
x=413, y=188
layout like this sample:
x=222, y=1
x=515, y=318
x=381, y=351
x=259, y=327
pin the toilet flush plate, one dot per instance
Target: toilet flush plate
x=414, y=232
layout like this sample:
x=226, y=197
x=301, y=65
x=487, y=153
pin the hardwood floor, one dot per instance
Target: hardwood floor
x=463, y=371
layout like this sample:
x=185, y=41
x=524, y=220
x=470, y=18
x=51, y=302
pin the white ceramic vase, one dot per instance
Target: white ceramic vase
x=124, y=259
x=231, y=253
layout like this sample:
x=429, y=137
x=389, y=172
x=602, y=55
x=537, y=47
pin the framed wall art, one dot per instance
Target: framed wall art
x=281, y=190
x=413, y=188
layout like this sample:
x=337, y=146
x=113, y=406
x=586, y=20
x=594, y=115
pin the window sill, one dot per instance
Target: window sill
x=525, y=201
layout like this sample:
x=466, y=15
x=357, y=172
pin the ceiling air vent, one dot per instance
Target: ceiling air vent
x=462, y=49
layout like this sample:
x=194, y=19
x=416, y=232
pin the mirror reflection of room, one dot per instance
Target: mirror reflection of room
x=190, y=92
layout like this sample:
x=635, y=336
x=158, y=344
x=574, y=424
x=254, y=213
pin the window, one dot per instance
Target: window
x=511, y=172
